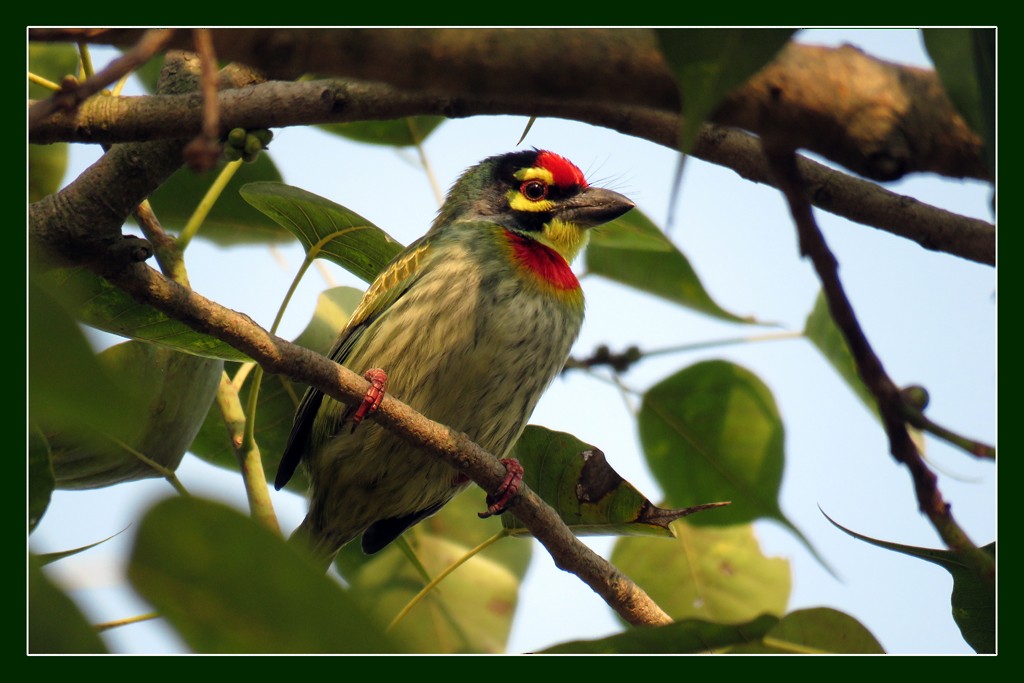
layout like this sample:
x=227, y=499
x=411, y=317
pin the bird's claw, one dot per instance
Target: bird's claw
x=374, y=395
x=499, y=500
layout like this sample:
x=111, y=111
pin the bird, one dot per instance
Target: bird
x=468, y=325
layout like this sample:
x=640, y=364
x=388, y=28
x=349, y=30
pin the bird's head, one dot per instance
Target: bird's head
x=537, y=194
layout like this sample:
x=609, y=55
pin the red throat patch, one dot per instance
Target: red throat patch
x=544, y=262
x=564, y=172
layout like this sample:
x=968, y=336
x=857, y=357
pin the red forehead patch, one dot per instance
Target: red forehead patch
x=564, y=171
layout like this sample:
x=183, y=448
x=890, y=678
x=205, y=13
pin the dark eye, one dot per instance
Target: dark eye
x=534, y=190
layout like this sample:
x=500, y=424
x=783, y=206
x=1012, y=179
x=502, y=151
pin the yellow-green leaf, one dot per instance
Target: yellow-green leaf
x=718, y=574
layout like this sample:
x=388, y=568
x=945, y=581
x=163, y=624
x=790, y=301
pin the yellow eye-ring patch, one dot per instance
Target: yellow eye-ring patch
x=518, y=202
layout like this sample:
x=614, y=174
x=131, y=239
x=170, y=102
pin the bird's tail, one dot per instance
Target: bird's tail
x=321, y=547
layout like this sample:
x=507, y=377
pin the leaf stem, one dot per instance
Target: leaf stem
x=107, y=625
x=440, y=577
x=207, y=202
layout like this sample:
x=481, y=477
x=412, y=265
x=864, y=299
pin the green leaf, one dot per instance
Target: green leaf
x=472, y=609
x=820, y=630
x=228, y=585
x=634, y=252
x=965, y=60
x=712, y=432
x=100, y=304
x=709, y=63
x=46, y=167
x=279, y=395
x=591, y=498
x=688, y=636
x=822, y=331
x=40, y=477
x=232, y=220
x=973, y=599
x=169, y=394
x=53, y=62
x=714, y=573
x=62, y=368
x=403, y=132
x=48, y=558
x=55, y=624
x=326, y=229
x=48, y=163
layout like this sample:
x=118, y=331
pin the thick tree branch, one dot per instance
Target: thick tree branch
x=888, y=396
x=277, y=104
x=878, y=119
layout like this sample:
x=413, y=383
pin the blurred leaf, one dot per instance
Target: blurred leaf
x=403, y=132
x=48, y=163
x=471, y=611
x=228, y=585
x=62, y=368
x=52, y=61
x=55, y=624
x=821, y=330
x=634, y=252
x=100, y=304
x=337, y=234
x=170, y=394
x=40, y=477
x=232, y=220
x=712, y=432
x=464, y=613
x=973, y=599
x=819, y=630
x=591, y=498
x=279, y=395
x=687, y=636
x=965, y=60
x=709, y=63
x=713, y=573
x=46, y=167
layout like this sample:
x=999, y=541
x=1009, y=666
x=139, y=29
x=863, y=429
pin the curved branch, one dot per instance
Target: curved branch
x=880, y=120
x=891, y=403
x=278, y=356
x=278, y=104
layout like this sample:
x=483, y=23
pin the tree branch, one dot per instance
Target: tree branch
x=81, y=223
x=278, y=356
x=880, y=120
x=891, y=402
x=278, y=104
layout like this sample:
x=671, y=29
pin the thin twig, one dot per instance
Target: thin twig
x=203, y=152
x=73, y=93
x=888, y=396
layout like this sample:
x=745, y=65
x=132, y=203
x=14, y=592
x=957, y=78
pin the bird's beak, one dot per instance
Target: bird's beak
x=594, y=206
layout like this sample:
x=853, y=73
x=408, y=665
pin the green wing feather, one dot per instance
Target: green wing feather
x=390, y=285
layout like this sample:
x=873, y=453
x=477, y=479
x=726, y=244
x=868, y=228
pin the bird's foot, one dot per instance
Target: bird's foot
x=374, y=395
x=499, y=500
